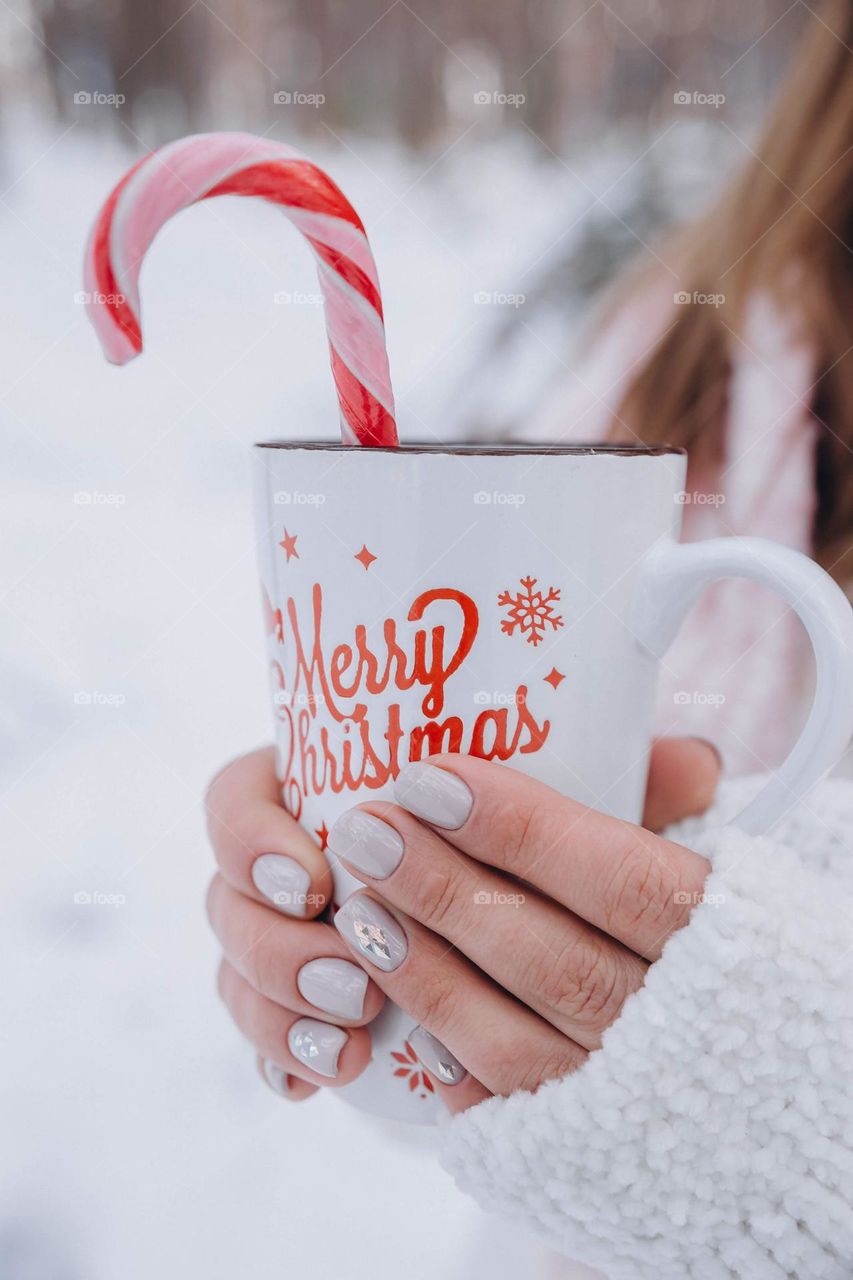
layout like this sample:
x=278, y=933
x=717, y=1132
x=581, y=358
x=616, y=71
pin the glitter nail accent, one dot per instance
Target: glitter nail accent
x=371, y=938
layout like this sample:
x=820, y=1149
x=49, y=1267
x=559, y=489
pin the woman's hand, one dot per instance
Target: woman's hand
x=289, y=986
x=509, y=922
x=285, y=978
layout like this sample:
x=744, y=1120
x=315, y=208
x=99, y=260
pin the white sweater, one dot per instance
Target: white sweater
x=712, y=1134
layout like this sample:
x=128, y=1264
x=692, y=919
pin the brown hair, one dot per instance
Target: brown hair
x=791, y=204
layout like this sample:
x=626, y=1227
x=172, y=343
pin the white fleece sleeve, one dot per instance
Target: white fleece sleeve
x=711, y=1136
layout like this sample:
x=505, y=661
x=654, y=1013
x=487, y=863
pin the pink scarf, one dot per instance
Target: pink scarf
x=739, y=670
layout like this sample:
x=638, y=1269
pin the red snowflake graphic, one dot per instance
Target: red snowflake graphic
x=410, y=1069
x=530, y=610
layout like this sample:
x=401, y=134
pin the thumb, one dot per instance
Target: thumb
x=683, y=777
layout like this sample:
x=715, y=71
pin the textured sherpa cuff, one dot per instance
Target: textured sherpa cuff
x=712, y=1134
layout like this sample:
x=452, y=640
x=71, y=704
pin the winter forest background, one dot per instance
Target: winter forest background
x=398, y=70
x=517, y=153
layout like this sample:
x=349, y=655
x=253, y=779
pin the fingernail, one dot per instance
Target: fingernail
x=376, y=933
x=436, y=1058
x=434, y=795
x=335, y=986
x=318, y=1045
x=275, y=1078
x=283, y=881
x=367, y=843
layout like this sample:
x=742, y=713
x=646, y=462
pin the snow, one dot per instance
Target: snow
x=138, y=1140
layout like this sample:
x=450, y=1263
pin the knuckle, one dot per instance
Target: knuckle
x=517, y=835
x=603, y=996
x=244, y=1007
x=231, y=796
x=437, y=893
x=639, y=894
x=261, y=963
x=516, y=830
x=504, y=1061
x=559, y=1062
x=580, y=984
x=233, y=827
x=434, y=999
x=218, y=787
x=523, y=835
x=255, y=1026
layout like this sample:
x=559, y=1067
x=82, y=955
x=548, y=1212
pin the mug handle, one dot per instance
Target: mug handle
x=672, y=578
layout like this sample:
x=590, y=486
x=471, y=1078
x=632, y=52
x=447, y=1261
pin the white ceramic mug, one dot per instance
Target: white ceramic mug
x=507, y=602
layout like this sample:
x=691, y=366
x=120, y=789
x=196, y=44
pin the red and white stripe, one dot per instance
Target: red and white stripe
x=218, y=164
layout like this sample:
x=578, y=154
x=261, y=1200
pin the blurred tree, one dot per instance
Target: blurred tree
x=408, y=68
x=152, y=54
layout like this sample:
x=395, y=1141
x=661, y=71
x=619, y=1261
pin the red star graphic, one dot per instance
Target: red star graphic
x=322, y=834
x=288, y=544
x=554, y=677
x=365, y=557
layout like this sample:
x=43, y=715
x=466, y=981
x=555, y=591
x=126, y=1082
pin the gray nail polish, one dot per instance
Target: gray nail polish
x=275, y=1078
x=283, y=881
x=333, y=985
x=368, y=843
x=377, y=934
x=433, y=794
x=318, y=1045
x=435, y=1057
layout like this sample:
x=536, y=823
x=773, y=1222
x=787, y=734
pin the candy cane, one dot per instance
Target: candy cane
x=219, y=164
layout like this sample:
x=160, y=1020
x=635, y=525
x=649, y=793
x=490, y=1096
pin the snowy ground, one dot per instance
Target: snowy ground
x=137, y=1140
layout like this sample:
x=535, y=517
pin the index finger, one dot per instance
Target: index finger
x=634, y=885
x=260, y=849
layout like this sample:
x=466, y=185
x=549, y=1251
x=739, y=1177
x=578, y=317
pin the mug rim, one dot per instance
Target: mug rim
x=495, y=450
